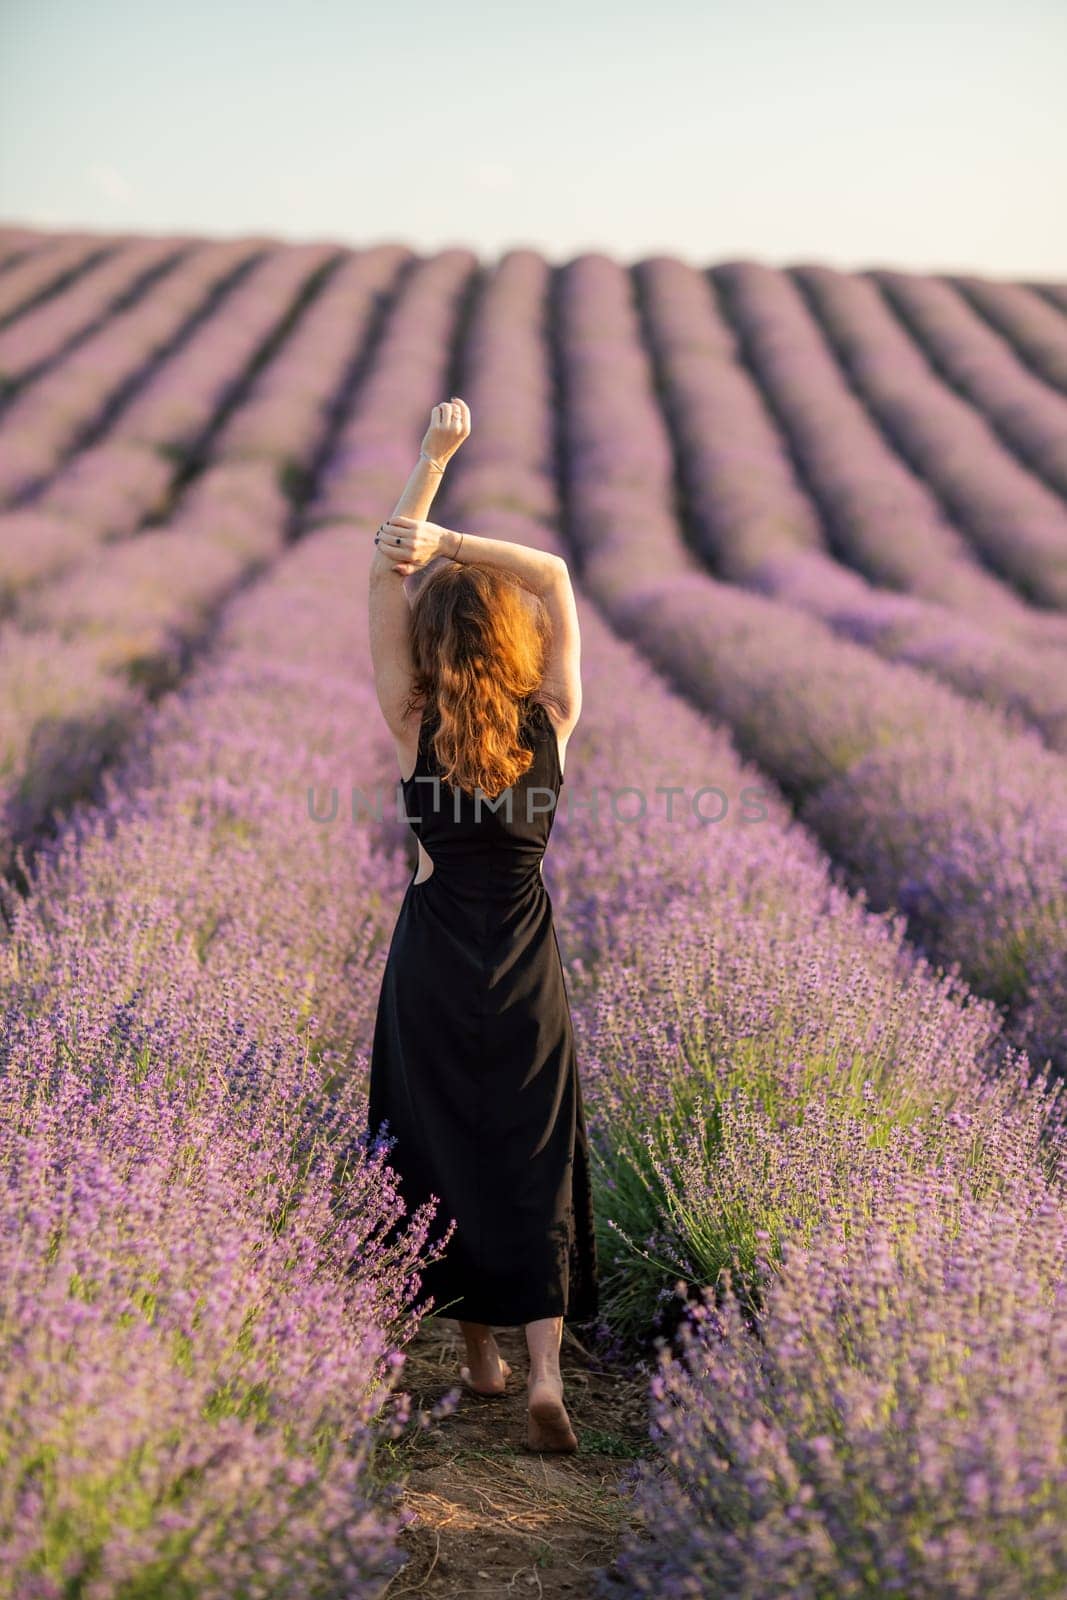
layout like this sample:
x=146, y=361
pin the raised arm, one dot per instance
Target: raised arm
x=390, y=609
x=409, y=542
x=563, y=674
x=539, y=569
x=550, y=577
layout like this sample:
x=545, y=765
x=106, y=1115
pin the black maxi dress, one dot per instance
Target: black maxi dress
x=473, y=1065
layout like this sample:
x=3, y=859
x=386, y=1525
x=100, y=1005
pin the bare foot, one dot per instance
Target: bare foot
x=548, y=1425
x=490, y=1374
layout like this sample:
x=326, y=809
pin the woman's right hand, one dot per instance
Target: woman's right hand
x=450, y=424
x=410, y=544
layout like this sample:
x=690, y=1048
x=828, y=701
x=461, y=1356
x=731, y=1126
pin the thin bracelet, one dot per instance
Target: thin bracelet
x=435, y=464
x=459, y=547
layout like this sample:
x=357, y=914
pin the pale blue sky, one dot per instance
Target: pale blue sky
x=929, y=134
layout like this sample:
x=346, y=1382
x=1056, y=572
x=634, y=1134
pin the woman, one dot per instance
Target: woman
x=473, y=1064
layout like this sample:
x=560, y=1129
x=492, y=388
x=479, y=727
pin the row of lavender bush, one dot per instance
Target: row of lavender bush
x=935, y=805
x=55, y=413
x=751, y=519
x=1029, y=415
x=18, y=242
x=1055, y=293
x=110, y=489
x=880, y=515
x=41, y=264
x=1036, y=329
x=203, y=1285
x=91, y=644
x=1017, y=523
x=40, y=335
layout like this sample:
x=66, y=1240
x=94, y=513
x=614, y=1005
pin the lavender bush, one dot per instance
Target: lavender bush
x=868, y=1441
x=16, y=243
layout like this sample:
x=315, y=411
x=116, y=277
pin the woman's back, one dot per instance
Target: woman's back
x=486, y=850
x=474, y=1064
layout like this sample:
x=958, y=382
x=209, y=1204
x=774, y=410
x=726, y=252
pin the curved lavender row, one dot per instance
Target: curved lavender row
x=16, y=244
x=753, y=523
x=371, y=453
x=932, y=804
x=64, y=715
x=142, y=609
x=48, y=269
x=128, y=627
x=879, y=515
x=205, y=916
x=737, y=460
x=720, y=979
x=175, y=407
x=982, y=367
x=1016, y=522
x=145, y=598
x=1036, y=330
x=40, y=335
x=51, y=416
x=1054, y=293
x=108, y=490
x=1024, y=682
x=288, y=411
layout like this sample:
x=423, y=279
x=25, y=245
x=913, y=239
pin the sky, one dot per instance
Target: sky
x=929, y=135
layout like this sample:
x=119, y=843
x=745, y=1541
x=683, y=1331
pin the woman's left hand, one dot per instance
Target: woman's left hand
x=409, y=544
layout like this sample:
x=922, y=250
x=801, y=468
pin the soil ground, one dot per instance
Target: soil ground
x=494, y=1518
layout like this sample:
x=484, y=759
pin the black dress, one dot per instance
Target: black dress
x=473, y=1065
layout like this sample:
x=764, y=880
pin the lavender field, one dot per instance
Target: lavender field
x=809, y=872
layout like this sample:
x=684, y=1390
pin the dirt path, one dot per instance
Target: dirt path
x=493, y=1517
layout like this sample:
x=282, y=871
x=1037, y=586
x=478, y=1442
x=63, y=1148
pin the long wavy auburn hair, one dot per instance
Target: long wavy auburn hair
x=479, y=638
